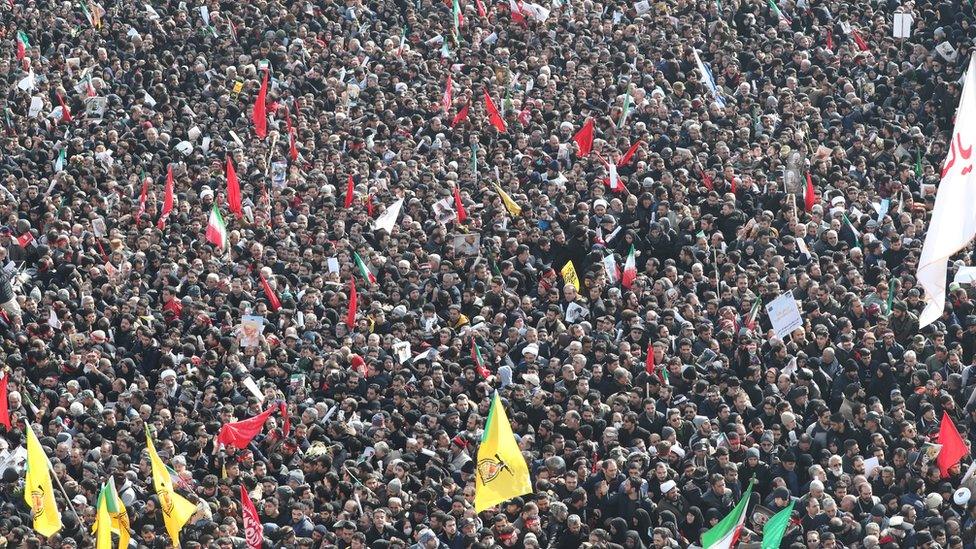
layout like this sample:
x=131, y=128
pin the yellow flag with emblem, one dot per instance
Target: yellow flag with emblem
x=569, y=275
x=176, y=509
x=510, y=205
x=501, y=472
x=38, y=490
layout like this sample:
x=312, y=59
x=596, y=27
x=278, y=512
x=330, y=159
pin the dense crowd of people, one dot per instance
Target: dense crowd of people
x=116, y=318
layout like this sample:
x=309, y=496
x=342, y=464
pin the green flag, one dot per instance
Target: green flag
x=474, y=160
x=626, y=111
x=891, y=296
x=776, y=527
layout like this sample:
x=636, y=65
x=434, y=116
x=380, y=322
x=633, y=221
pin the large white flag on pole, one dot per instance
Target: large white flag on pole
x=709, y=79
x=953, y=222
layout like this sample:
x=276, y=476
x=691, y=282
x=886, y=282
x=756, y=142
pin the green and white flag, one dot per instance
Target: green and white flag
x=60, y=161
x=626, y=112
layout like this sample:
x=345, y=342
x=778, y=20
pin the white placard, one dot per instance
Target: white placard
x=870, y=465
x=251, y=386
x=784, y=314
x=947, y=52
x=965, y=275
x=402, y=350
x=642, y=7
x=903, y=25
x=333, y=264
x=35, y=107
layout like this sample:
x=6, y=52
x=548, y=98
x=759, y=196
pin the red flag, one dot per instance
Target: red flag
x=65, y=111
x=350, y=192
x=283, y=407
x=448, y=95
x=584, y=138
x=358, y=364
x=459, y=206
x=515, y=7
x=142, y=199
x=233, y=190
x=168, y=200
x=4, y=407
x=629, y=154
x=240, y=433
x=270, y=293
x=732, y=187
x=253, y=531
x=102, y=251
x=953, y=446
x=353, y=304
x=259, y=113
x=493, y=115
x=861, y=44
x=461, y=116
x=21, y=48
x=830, y=39
x=292, y=145
x=649, y=360
x=808, y=198
x=369, y=204
x=481, y=8
x=707, y=180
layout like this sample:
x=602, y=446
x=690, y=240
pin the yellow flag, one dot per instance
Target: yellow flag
x=510, y=205
x=103, y=521
x=569, y=275
x=176, y=509
x=38, y=490
x=120, y=517
x=501, y=472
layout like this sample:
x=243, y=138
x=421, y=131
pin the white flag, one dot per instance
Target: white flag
x=613, y=272
x=27, y=83
x=954, y=217
x=709, y=80
x=388, y=218
x=615, y=184
x=53, y=320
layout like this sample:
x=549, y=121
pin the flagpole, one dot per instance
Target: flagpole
x=61, y=486
x=348, y=472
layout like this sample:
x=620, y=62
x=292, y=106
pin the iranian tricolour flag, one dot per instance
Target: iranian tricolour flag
x=216, y=229
x=753, y=314
x=479, y=361
x=630, y=269
x=23, y=44
x=724, y=534
x=367, y=275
